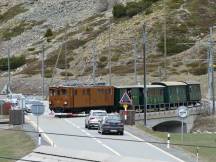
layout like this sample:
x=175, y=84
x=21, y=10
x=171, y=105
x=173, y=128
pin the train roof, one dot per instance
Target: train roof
x=191, y=82
x=80, y=86
x=140, y=86
x=169, y=83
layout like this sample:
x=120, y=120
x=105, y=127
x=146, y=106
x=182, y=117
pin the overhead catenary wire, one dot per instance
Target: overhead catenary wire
x=105, y=138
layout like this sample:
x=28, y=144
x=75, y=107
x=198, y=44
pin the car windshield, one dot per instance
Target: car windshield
x=99, y=114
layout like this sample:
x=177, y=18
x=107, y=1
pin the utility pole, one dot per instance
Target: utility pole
x=109, y=58
x=211, y=71
x=9, y=77
x=42, y=71
x=65, y=54
x=144, y=65
x=160, y=73
x=165, y=40
x=94, y=60
x=134, y=43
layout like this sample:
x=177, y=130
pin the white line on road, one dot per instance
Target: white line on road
x=170, y=155
x=109, y=148
x=97, y=140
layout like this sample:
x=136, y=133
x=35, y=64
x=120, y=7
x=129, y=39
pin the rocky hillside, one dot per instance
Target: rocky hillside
x=71, y=30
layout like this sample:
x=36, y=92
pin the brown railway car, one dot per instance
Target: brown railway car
x=74, y=99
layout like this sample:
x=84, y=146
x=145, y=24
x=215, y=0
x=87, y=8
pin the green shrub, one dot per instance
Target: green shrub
x=115, y=57
x=119, y=10
x=15, y=62
x=174, y=44
x=89, y=29
x=31, y=49
x=145, y=4
x=63, y=73
x=103, y=59
x=49, y=33
x=48, y=73
x=133, y=8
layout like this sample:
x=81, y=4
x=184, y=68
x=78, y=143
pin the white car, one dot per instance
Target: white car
x=94, y=118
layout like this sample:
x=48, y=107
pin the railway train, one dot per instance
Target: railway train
x=160, y=96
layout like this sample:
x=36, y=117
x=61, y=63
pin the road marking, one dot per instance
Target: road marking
x=159, y=149
x=94, y=138
x=109, y=148
x=48, y=139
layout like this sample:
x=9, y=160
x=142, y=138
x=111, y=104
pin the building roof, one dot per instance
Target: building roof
x=170, y=83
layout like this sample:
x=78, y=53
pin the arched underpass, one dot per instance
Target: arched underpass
x=170, y=126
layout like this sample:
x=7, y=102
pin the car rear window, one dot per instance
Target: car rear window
x=99, y=113
x=113, y=118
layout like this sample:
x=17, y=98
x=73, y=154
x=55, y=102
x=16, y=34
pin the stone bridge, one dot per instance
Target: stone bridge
x=169, y=121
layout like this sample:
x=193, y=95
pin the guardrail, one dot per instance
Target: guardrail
x=195, y=110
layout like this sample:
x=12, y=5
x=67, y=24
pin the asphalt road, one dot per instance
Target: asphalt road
x=75, y=126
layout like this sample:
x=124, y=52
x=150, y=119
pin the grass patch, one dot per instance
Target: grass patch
x=15, y=62
x=91, y=18
x=12, y=12
x=190, y=139
x=122, y=70
x=15, y=144
x=7, y=34
x=32, y=67
x=197, y=68
x=63, y=73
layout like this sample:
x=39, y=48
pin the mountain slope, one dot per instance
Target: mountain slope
x=77, y=25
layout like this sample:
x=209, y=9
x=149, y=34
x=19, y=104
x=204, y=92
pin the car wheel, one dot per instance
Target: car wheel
x=102, y=132
x=121, y=133
x=86, y=126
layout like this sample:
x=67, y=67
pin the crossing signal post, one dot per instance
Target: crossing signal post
x=125, y=101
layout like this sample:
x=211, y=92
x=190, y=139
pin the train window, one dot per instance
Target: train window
x=190, y=88
x=58, y=92
x=106, y=91
x=75, y=92
x=98, y=91
x=161, y=92
x=88, y=91
x=63, y=92
x=109, y=91
x=52, y=92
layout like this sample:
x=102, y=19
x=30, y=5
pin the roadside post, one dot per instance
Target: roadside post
x=125, y=102
x=197, y=154
x=182, y=113
x=125, y=109
x=38, y=109
x=168, y=140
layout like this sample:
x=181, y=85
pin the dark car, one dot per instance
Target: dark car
x=111, y=124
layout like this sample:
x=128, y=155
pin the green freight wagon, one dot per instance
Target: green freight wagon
x=155, y=95
x=133, y=91
x=193, y=92
x=174, y=92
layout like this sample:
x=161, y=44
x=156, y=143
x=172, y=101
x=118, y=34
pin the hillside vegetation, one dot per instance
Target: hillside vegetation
x=70, y=30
